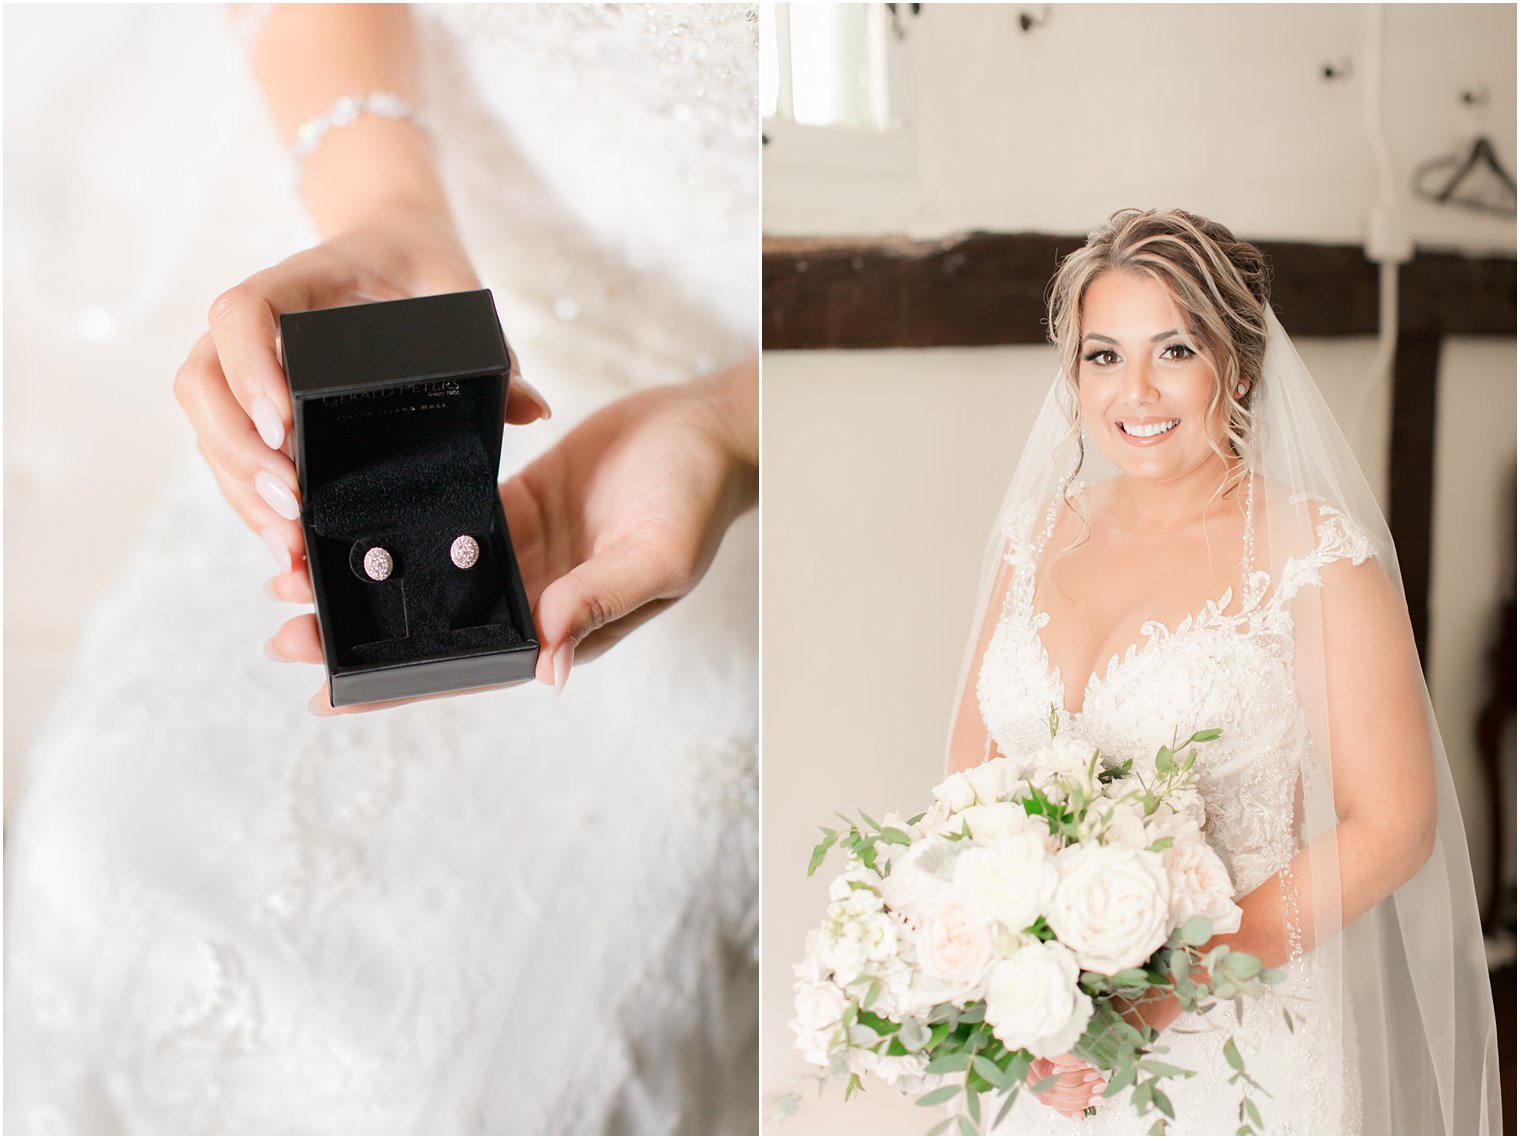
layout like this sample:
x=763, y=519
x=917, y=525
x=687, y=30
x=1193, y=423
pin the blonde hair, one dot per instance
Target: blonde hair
x=1220, y=286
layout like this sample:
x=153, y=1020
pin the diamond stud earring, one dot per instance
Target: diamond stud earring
x=1240, y=390
x=464, y=552
x=378, y=563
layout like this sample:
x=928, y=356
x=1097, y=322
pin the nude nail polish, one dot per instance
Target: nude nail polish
x=277, y=547
x=563, y=657
x=266, y=417
x=277, y=494
x=544, y=410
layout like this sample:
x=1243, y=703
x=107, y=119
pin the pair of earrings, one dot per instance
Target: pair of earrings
x=464, y=552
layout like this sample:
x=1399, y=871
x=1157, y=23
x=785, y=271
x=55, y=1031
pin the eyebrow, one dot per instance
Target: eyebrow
x=1110, y=340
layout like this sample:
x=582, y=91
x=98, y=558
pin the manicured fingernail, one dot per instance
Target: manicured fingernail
x=562, y=660
x=266, y=417
x=273, y=653
x=277, y=494
x=277, y=547
x=527, y=389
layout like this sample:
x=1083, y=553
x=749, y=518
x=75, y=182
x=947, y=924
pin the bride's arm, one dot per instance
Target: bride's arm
x=1384, y=781
x=309, y=55
x=969, y=744
x=1383, y=776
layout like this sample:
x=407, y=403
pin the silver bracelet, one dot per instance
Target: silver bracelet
x=347, y=108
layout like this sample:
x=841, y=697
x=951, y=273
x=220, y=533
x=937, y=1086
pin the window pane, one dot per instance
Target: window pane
x=831, y=72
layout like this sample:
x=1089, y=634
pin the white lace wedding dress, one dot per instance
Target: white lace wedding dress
x=1228, y=667
x=487, y=914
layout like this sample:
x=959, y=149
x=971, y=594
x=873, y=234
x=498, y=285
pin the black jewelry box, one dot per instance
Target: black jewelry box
x=398, y=411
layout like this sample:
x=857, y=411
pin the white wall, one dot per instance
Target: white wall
x=882, y=470
x=1216, y=108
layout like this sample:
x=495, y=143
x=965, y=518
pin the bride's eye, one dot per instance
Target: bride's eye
x=1183, y=349
x=1093, y=357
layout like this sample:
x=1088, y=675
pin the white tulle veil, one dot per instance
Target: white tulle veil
x=1409, y=977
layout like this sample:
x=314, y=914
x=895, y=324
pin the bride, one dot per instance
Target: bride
x=1189, y=544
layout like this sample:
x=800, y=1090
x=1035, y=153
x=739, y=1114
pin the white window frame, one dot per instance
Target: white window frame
x=804, y=147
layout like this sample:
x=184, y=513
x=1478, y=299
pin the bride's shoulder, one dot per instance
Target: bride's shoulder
x=1306, y=527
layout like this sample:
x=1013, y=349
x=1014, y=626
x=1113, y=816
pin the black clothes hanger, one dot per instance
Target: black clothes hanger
x=1489, y=187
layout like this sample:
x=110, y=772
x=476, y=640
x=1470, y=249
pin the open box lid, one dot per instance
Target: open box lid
x=391, y=397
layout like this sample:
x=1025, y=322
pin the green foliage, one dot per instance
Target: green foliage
x=938, y=1095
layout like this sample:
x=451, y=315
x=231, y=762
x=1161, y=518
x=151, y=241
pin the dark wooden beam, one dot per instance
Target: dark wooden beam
x=1411, y=473
x=988, y=288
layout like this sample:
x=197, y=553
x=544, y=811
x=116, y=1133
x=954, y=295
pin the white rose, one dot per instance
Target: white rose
x=931, y=822
x=1011, y=881
x=1180, y=816
x=954, y=954
x=994, y=780
x=1111, y=905
x=854, y=875
x=956, y=792
x=1200, y=886
x=1124, y=788
x=1033, y=1001
x=919, y=877
x=993, y=821
x=1126, y=827
x=820, y=1005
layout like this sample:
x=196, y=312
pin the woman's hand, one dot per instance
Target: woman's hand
x=613, y=524
x=1078, y=1084
x=232, y=387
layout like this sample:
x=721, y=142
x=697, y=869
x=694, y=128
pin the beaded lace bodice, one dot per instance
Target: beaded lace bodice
x=1228, y=667
x=1222, y=667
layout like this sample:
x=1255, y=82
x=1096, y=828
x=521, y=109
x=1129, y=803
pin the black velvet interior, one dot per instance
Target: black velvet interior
x=411, y=470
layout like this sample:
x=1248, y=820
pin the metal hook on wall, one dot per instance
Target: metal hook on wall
x=1340, y=69
x=900, y=32
x=1028, y=20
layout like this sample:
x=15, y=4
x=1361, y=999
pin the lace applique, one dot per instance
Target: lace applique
x=1216, y=668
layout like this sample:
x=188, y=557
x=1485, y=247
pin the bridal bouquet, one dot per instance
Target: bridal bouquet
x=1035, y=901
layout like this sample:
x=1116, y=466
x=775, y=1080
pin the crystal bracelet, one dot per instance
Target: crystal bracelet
x=347, y=108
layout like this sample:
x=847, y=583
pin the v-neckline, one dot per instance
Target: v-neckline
x=1103, y=674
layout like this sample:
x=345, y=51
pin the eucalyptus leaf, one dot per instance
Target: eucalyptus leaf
x=1197, y=930
x=1045, y=1085
x=991, y=1073
x=1232, y=1055
x=967, y=1127
x=1158, y=1128
x=1008, y=1102
x=1242, y=965
x=942, y=1126
x=974, y=1107
x=1208, y=735
x=1250, y=1108
x=1157, y=1068
x=949, y=1062
x=821, y=851
x=1163, y=1105
x=894, y=837
x=938, y=1095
